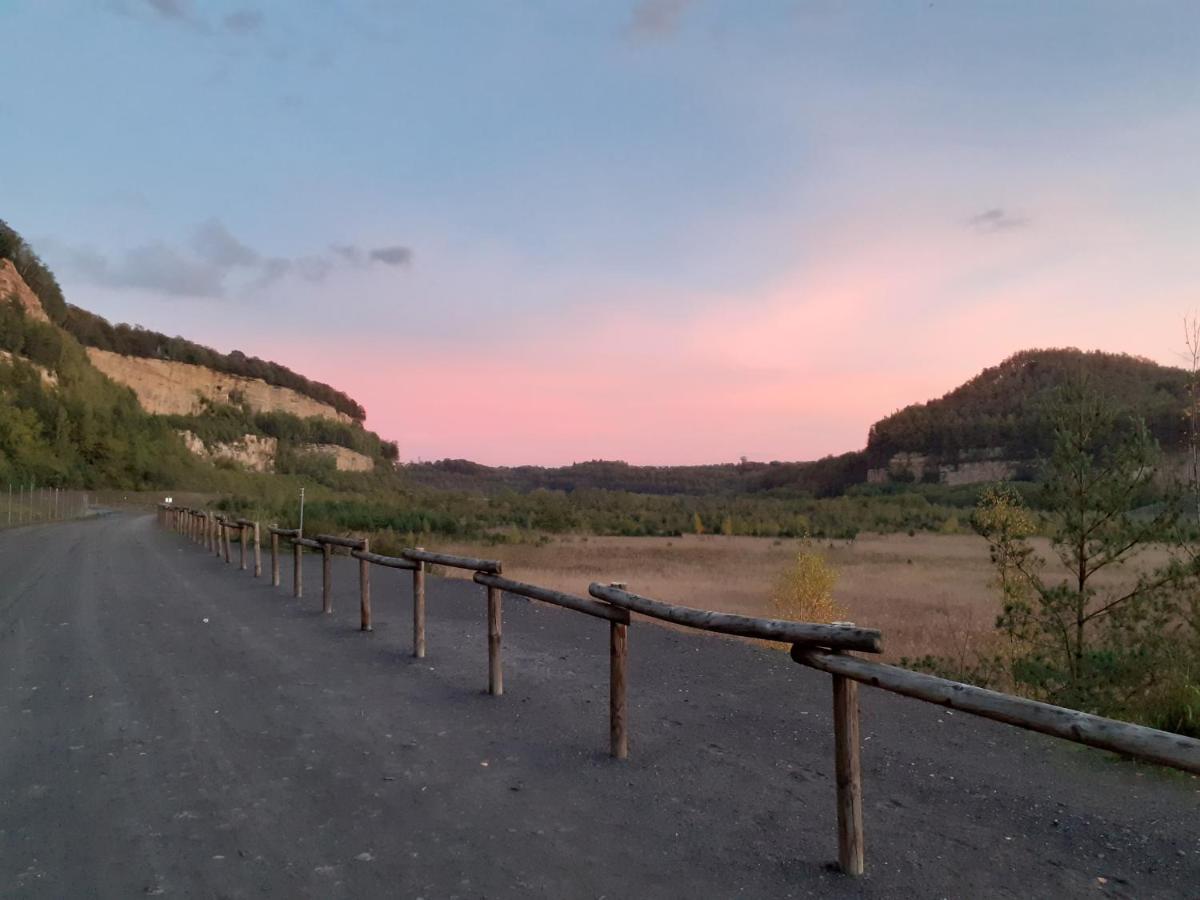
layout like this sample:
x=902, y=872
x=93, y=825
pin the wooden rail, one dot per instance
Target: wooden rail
x=618, y=621
x=490, y=566
x=819, y=646
x=843, y=637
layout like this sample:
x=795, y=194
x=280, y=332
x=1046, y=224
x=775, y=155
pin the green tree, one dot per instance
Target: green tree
x=1093, y=640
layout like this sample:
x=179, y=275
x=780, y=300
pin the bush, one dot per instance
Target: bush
x=804, y=591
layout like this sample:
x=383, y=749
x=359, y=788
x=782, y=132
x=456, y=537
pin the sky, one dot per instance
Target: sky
x=663, y=231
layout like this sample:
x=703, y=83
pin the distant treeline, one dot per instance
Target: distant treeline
x=826, y=477
x=92, y=330
x=1007, y=407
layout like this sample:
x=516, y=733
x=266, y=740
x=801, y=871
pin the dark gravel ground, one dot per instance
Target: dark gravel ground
x=172, y=726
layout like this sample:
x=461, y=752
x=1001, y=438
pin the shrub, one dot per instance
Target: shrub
x=804, y=591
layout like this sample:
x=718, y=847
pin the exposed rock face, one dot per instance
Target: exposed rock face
x=49, y=379
x=253, y=452
x=12, y=284
x=920, y=467
x=164, y=387
x=344, y=458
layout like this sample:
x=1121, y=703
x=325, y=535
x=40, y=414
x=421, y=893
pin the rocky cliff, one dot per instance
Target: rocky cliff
x=164, y=387
x=13, y=285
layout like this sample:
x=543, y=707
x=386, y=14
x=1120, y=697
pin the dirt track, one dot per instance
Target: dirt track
x=171, y=726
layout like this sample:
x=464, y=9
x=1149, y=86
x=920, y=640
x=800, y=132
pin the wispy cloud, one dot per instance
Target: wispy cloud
x=392, y=256
x=994, y=220
x=651, y=19
x=213, y=263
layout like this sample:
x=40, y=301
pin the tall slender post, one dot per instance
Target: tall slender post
x=418, y=585
x=243, y=530
x=297, y=571
x=326, y=578
x=274, y=559
x=257, y=552
x=495, y=672
x=849, y=775
x=618, y=645
x=364, y=590
x=225, y=527
x=10, y=503
x=218, y=532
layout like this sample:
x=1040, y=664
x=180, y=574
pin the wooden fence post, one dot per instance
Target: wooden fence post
x=257, y=552
x=225, y=538
x=274, y=559
x=243, y=530
x=364, y=589
x=326, y=579
x=419, y=609
x=297, y=571
x=495, y=672
x=618, y=643
x=849, y=774
x=218, y=531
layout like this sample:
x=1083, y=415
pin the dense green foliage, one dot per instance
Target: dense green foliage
x=225, y=423
x=131, y=340
x=86, y=432
x=826, y=477
x=1117, y=635
x=1009, y=406
x=30, y=267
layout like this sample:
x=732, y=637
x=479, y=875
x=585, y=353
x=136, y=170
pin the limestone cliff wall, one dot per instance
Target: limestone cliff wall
x=345, y=459
x=164, y=387
x=12, y=284
x=253, y=452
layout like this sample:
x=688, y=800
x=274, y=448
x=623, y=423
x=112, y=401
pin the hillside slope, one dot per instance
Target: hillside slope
x=159, y=408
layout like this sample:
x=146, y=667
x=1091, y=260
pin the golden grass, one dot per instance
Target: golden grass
x=929, y=594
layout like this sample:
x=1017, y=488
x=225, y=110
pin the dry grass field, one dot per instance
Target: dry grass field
x=929, y=594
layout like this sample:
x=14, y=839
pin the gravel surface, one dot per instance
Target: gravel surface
x=173, y=726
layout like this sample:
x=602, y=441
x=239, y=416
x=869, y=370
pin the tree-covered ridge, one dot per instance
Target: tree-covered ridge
x=1006, y=407
x=132, y=340
x=85, y=432
x=92, y=330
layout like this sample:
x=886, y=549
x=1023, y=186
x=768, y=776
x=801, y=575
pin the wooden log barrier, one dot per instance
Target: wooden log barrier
x=297, y=570
x=326, y=578
x=491, y=566
x=848, y=768
x=842, y=637
x=364, y=589
x=242, y=530
x=495, y=670
x=226, y=527
x=376, y=559
x=1137, y=741
x=274, y=557
x=618, y=649
x=618, y=620
x=257, y=552
x=418, y=589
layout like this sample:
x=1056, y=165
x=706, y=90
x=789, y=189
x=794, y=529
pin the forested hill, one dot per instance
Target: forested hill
x=1005, y=408
x=92, y=330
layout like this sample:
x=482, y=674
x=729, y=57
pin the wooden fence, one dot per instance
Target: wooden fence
x=824, y=647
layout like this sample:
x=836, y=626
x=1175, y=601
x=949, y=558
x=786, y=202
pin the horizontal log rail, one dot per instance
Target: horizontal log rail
x=378, y=559
x=842, y=637
x=351, y=543
x=306, y=542
x=584, y=605
x=1135, y=741
x=284, y=532
x=490, y=566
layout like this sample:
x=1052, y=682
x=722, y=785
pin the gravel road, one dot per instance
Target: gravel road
x=172, y=726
